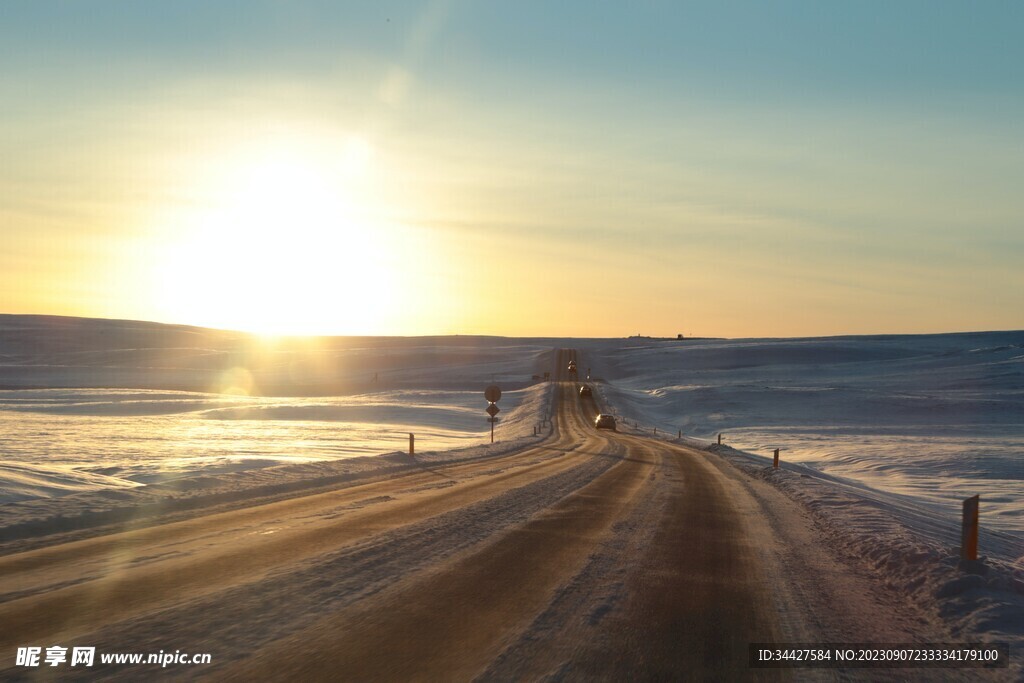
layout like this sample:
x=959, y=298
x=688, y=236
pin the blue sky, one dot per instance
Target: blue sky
x=810, y=50
x=729, y=168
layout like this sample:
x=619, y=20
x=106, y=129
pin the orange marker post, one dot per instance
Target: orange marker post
x=412, y=444
x=776, y=464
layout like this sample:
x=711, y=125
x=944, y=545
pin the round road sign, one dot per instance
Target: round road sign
x=492, y=393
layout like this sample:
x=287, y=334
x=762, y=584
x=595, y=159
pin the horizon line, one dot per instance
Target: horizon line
x=676, y=337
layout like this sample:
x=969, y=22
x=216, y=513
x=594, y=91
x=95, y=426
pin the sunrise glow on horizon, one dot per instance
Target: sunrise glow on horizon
x=413, y=168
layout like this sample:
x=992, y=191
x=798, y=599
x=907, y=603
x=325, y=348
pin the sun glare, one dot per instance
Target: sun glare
x=285, y=245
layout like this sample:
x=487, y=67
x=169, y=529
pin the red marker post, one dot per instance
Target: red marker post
x=969, y=533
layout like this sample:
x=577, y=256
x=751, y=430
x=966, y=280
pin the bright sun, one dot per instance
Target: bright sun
x=285, y=245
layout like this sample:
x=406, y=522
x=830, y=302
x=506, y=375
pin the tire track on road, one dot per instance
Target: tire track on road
x=242, y=619
x=449, y=623
x=675, y=592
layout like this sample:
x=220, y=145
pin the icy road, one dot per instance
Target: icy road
x=593, y=555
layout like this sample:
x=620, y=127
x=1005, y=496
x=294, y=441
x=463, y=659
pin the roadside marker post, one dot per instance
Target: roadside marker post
x=492, y=394
x=719, y=438
x=492, y=410
x=680, y=434
x=969, y=534
x=776, y=463
x=412, y=444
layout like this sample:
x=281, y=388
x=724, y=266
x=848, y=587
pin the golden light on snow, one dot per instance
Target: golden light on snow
x=236, y=381
x=289, y=242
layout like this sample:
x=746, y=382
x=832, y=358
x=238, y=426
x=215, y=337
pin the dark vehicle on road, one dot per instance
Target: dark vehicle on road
x=585, y=392
x=605, y=421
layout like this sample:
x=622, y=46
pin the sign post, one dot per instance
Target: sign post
x=492, y=394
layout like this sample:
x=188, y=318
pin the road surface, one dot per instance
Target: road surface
x=594, y=555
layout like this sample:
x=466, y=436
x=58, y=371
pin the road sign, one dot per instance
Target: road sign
x=492, y=393
x=493, y=410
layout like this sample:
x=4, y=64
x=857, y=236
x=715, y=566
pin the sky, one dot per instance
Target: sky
x=741, y=169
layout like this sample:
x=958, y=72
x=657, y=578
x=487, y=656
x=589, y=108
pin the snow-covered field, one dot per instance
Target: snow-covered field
x=136, y=406
x=60, y=441
x=933, y=417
